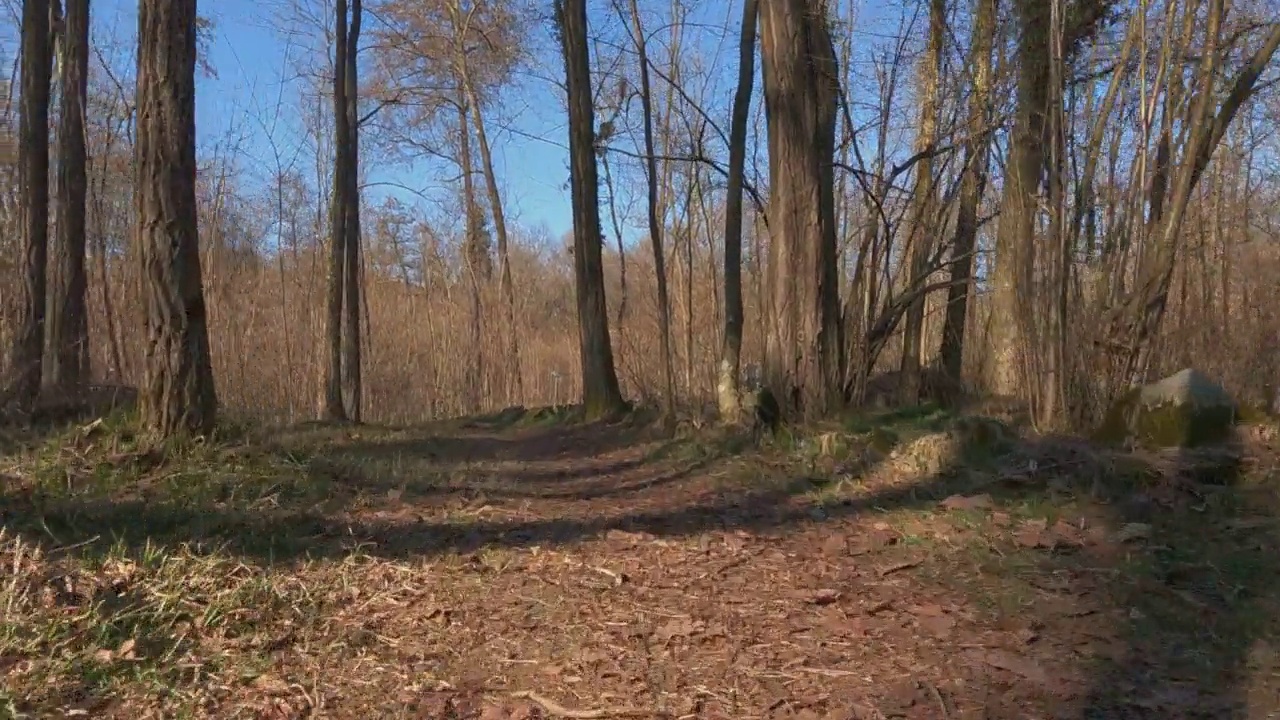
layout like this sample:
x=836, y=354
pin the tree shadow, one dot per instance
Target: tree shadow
x=1203, y=605
x=1189, y=616
x=449, y=448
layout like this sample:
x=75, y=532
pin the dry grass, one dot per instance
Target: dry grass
x=522, y=565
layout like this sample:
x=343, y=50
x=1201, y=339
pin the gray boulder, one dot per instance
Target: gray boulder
x=1186, y=409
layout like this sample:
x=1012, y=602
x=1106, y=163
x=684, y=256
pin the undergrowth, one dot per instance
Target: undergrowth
x=171, y=577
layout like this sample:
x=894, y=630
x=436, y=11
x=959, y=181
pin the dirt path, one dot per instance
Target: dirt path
x=598, y=573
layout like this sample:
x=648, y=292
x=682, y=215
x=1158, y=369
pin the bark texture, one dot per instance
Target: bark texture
x=25, y=355
x=728, y=390
x=803, y=351
x=67, y=362
x=178, y=395
x=972, y=187
x=600, y=393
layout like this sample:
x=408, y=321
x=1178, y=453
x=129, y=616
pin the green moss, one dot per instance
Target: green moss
x=882, y=440
x=982, y=438
x=1165, y=424
x=1253, y=415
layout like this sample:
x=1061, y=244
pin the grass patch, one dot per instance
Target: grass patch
x=178, y=580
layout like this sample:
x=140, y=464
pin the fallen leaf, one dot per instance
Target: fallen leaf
x=1017, y=664
x=434, y=705
x=896, y=567
x=1032, y=534
x=1026, y=636
x=825, y=596
x=1250, y=523
x=630, y=538
x=676, y=627
x=126, y=649
x=495, y=712
x=939, y=626
x=836, y=545
x=930, y=610
x=1063, y=533
x=840, y=625
x=1134, y=531
x=271, y=685
x=968, y=502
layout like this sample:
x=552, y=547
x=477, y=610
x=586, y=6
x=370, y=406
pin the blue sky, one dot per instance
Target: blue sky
x=528, y=132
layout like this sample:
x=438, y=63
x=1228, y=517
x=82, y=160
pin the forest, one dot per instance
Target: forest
x=900, y=358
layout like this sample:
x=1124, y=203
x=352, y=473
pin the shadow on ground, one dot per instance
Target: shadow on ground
x=1186, y=618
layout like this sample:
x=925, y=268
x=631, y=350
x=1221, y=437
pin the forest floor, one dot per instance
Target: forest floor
x=524, y=566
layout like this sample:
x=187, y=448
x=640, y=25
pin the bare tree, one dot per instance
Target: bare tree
x=728, y=390
x=475, y=250
x=804, y=348
x=462, y=27
x=33, y=178
x=1136, y=321
x=68, y=330
x=655, y=219
x=349, y=149
x=921, y=242
x=334, y=407
x=342, y=382
x=1013, y=296
x=178, y=395
x=973, y=185
x=600, y=393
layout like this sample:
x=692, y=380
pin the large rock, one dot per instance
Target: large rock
x=1186, y=409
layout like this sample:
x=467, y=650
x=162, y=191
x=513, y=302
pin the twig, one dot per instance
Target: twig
x=937, y=697
x=555, y=709
x=827, y=672
x=74, y=546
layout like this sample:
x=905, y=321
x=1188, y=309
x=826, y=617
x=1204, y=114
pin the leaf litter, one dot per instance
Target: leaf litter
x=856, y=615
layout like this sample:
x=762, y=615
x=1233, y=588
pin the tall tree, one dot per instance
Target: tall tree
x=475, y=249
x=728, y=390
x=462, y=28
x=33, y=180
x=342, y=379
x=178, y=395
x=803, y=351
x=1012, y=288
x=1135, y=322
x=1015, y=240
x=68, y=330
x=922, y=239
x=349, y=149
x=601, y=395
x=972, y=187
x=655, y=218
x=334, y=408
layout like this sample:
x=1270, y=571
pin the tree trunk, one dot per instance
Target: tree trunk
x=351, y=348
x=178, y=394
x=1015, y=241
x=334, y=408
x=925, y=201
x=33, y=171
x=600, y=393
x=1137, y=321
x=655, y=221
x=516, y=393
x=68, y=358
x=803, y=349
x=476, y=251
x=973, y=185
